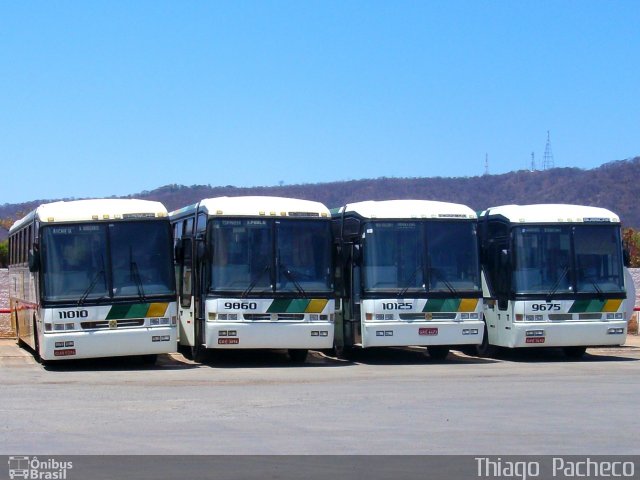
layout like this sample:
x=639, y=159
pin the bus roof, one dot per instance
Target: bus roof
x=255, y=206
x=552, y=213
x=91, y=210
x=405, y=209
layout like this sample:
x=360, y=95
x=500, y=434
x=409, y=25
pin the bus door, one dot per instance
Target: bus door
x=186, y=310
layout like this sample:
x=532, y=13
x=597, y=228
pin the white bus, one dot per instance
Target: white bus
x=409, y=275
x=553, y=276
x=93, y=278
x=254, y=273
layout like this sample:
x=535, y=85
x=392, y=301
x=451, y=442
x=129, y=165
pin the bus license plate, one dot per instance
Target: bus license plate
x=64, y=353
x=534, y=340
x=228, y=341
x=428, y=331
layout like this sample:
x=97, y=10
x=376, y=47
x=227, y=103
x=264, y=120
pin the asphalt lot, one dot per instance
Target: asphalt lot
x=385, y=402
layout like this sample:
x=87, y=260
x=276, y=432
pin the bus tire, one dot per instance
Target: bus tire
x=36, y=343
x=298, y=355
x=574, y=352
x=438, y=352
x=197, y=353
x=485, y=349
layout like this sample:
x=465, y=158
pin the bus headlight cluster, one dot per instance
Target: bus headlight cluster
x=470, y=331
x=615, y=316
x=228, y=316
x=469, y=316
x=156, y=322
x=615, y=331
x=314, y=317
x=59, y=327
x=534, y=318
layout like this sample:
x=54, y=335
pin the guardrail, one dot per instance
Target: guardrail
x=5, y=310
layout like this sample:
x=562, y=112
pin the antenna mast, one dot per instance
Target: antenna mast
x=548, y=155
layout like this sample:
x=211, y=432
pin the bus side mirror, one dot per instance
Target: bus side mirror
x=504, y=257
x=201, y=250
x=178, y=252
x=626, y=258
x=34, y=260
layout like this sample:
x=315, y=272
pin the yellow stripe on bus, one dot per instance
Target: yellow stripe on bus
x=612, y=305
x=157, y=309
x=316, y=305
x=468, y=305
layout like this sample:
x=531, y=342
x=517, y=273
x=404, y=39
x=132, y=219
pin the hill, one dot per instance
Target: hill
x=612, y=185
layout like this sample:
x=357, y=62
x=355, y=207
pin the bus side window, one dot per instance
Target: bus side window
x=201, y=226
x=186, y=267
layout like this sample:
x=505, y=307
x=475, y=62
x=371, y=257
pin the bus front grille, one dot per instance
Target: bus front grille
x=291, y=316
x=257, y=316
x=104, y=324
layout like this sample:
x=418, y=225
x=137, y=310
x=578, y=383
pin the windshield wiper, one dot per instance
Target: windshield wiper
x=135, y=274
x=440, y=275
x=409, y=283
x=255, y=281
x=595, y=286
x=91, y=286
x=556, y=285
x=290, y=276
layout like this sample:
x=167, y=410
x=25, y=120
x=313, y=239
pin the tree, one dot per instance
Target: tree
x=4, y=253
x=631, y=241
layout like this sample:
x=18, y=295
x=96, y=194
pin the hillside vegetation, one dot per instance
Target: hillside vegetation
x=611, y=186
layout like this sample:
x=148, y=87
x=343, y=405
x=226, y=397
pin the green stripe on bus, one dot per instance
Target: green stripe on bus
x=279, y=305
x=128, y=311
x=118, y=311
x=587, y=305
x=442, y=305
x=138, y=311
x=298, y=305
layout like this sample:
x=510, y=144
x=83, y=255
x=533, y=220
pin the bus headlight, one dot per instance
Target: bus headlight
x=615, y=331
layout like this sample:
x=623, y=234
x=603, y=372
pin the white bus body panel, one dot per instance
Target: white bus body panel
x=110, y=341
x=381, y=331
x=272, y=326
x=591, y=323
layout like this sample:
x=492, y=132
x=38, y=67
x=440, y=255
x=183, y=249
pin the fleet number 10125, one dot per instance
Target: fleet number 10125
x=397, y=306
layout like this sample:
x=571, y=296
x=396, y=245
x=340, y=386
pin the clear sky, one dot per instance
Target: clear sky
x=114, y=97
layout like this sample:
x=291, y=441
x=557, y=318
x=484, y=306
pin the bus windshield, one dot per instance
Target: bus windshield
x=421, y=257
x=93, y=261
x=568, y=259
x=268, y=256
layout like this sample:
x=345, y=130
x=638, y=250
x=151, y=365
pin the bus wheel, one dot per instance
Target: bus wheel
x=485, y=349
x=36, y=343
x=438, y=352
x=197, y=353
x=298, y=355
x=574, y=352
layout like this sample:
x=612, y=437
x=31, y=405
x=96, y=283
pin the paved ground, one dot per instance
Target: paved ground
x=386, y=402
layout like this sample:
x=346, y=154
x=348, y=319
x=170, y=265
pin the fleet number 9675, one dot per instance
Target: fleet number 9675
x=546, y=307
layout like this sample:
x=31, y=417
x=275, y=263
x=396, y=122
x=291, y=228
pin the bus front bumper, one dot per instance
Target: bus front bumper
x=393, y=334
x=568, y=334
x=108, y=343
x=271, y=335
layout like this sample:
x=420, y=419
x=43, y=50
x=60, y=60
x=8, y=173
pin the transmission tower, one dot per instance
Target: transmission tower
x=533, y=162
x=547, y=163
x=486, y=164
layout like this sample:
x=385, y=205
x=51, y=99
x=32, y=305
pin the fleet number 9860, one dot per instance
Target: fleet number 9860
x=240, y=305
x=546, y=307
